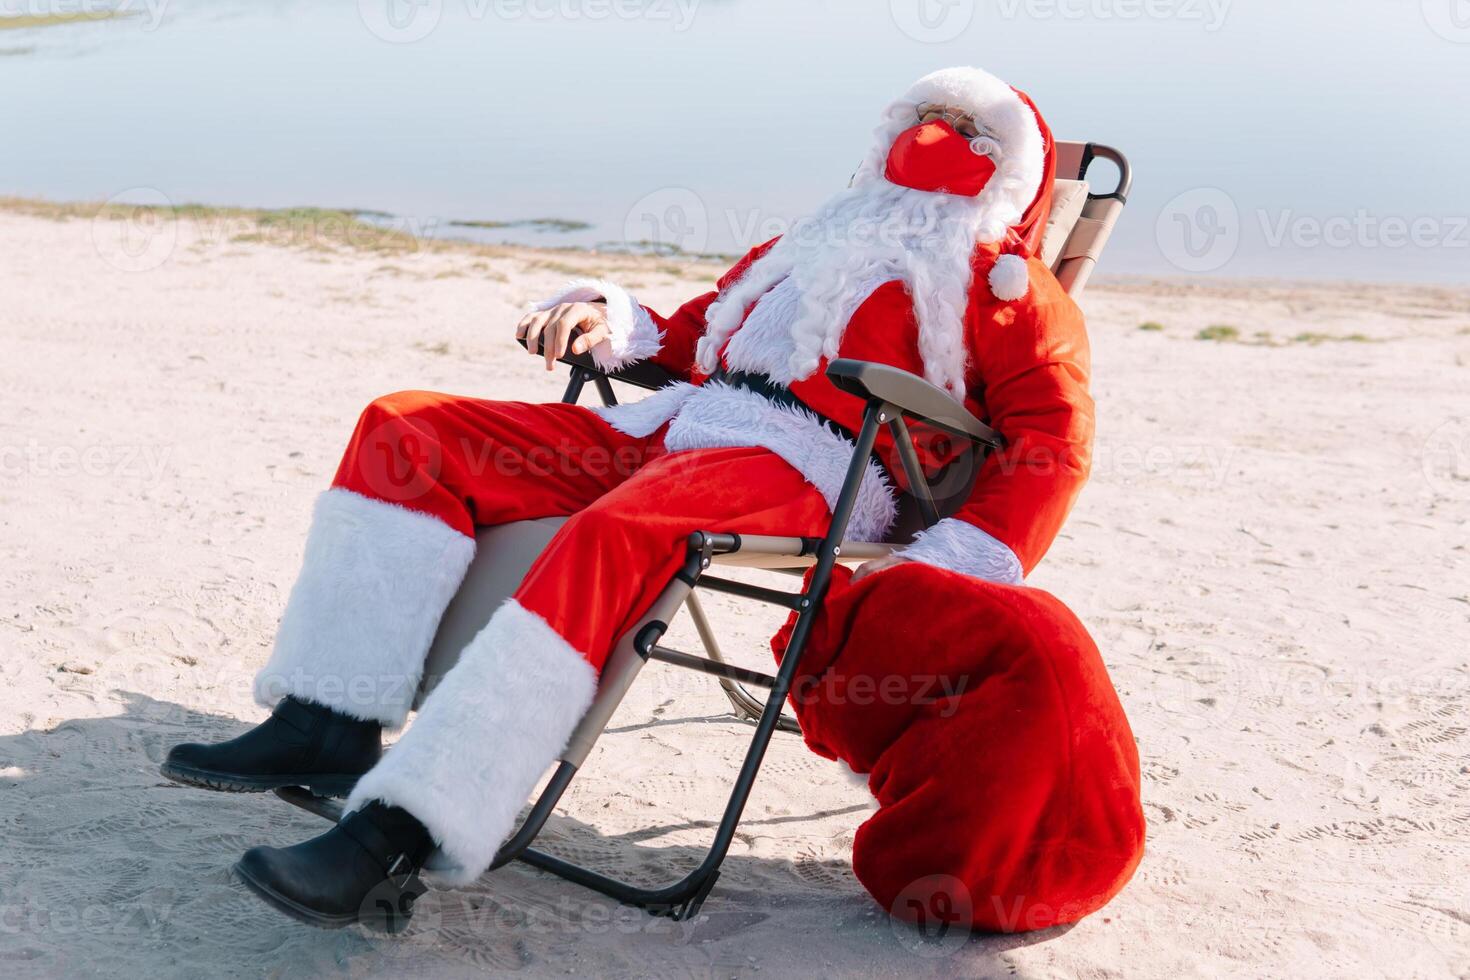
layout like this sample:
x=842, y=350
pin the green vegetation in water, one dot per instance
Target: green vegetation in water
x=15, y=22
x=1151, y=327
x=560, y=268
x=665, y=250
x=1220, y=333
x=559, y=225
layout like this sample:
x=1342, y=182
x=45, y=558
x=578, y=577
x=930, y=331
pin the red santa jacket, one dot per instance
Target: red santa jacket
x=1026, y=376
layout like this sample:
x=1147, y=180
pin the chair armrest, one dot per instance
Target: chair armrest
x=642, y=374
x=913, y=396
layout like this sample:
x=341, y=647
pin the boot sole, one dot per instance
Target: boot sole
x=292, y=908
x=318, y=920
x=325, y=784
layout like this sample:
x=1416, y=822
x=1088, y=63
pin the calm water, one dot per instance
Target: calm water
x=1305, y=140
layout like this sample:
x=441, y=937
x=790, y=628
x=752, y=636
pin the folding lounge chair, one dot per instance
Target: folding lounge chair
x=1076, y=234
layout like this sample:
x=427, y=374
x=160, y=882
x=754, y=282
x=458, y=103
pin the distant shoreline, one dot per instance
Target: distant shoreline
x=324, y=228
x=16, y=22
x=369, y=230
x=362, y=228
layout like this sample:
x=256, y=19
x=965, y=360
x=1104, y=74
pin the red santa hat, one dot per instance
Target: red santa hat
x=1008, y=276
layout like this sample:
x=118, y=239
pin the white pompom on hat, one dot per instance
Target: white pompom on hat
x=1009, y=278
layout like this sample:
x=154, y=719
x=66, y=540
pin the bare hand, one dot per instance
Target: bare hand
x=877, y=565
x=577, y=327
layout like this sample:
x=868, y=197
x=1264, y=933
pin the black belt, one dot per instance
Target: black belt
x=778, y=394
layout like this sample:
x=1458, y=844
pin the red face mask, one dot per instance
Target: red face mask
x=933, y=156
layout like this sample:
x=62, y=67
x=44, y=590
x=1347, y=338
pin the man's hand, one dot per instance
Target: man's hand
x=876, y=565
x=550, y=332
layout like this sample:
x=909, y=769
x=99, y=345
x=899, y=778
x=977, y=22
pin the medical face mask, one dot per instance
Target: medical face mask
x=934, y=156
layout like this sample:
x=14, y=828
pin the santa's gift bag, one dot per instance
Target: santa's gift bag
x=1005, y=772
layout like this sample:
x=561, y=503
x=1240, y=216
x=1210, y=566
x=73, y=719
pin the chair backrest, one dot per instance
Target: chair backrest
x=1093, y=215
x=1068, y=199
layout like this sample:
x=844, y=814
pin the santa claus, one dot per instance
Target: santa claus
x=927, y=261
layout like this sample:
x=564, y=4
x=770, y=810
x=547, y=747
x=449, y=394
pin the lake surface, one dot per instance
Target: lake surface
x=1303, y=140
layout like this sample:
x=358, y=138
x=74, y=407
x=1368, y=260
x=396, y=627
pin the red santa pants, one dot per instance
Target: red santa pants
x=471, y=462
x=390, y=545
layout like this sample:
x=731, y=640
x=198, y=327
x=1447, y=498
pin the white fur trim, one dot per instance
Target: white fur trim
x=766, y=342
x=483, y=738
x=861, y=237
x=634, y=334
x=640, y=419
x=1009, y=278
x=717, y=415
x=763, y=344
x=962, y=547
x=375, y=579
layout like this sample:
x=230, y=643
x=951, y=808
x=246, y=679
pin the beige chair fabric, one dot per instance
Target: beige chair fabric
x=1086, y=243
x=503, y=556
x=1067, y=200
x=515, y=547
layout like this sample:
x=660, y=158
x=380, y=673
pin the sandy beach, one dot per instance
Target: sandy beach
x=1273, y=555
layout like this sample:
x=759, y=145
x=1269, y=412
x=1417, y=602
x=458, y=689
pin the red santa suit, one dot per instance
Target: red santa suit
x=926, y=262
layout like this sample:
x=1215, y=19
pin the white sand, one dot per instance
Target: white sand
x=1272, y=555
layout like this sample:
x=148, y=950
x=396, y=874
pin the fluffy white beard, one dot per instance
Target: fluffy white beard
x=874, y=231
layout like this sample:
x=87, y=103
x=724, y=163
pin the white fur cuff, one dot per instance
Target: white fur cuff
x=962, y=547
x=483, y=738
x=375, y=579
x=634, y=334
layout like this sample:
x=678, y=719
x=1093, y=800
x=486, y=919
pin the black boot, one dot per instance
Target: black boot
x=300, y=744
x=365, y=870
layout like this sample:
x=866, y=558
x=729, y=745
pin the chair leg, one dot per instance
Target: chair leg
x=747, y=706
x=683, y=898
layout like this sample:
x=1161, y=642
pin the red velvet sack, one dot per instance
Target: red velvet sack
x=1004, y=769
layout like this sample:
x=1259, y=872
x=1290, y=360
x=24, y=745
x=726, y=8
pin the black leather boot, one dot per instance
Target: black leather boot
x=300, y=744
x=365, y=870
